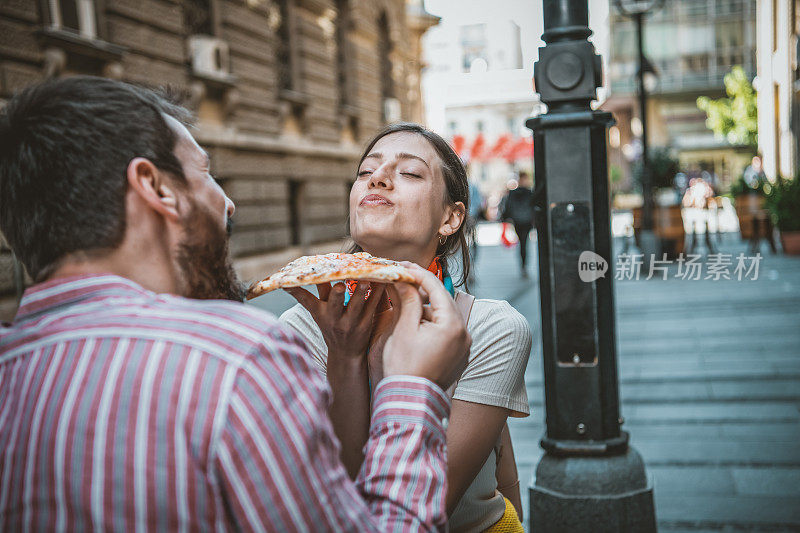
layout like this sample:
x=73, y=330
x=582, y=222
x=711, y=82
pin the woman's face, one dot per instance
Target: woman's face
x=398, y=198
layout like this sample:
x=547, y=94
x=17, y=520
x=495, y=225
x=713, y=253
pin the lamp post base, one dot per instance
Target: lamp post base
x=599, y=494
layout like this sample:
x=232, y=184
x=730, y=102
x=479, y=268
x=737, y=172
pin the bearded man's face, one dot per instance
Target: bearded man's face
x=204, y=258
x=203, y=263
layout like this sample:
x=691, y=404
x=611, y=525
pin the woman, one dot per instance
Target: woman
x=409, y=203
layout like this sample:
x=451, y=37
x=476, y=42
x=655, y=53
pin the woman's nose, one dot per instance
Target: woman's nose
x=381, y=178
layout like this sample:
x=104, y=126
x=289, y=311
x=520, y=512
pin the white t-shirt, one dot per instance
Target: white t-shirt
x=495, y=375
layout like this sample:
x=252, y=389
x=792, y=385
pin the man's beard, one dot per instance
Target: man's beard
x=204, y=259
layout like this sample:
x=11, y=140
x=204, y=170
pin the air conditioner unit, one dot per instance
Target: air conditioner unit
x=391, y=109
x=210, y=56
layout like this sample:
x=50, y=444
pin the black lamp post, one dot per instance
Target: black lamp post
x=637, y=10
x=589, y=478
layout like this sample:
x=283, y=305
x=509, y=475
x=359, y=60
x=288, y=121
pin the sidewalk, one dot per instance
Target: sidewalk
x=710, y=387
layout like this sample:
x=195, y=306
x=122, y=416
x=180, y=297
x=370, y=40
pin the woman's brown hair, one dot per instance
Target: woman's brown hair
x=456, y=183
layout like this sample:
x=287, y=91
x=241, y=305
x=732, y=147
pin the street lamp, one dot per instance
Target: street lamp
x=650, y=76
x=637, y=10
x=590, y=478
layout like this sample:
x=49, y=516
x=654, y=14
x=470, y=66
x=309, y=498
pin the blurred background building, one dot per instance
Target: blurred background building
x=478, y=85
x=690, y=45
x=778, y=85
x=285, y=91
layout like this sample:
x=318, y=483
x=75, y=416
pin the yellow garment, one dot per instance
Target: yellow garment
x=509, y=523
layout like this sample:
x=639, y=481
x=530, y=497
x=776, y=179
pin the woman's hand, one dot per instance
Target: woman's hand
x=346, y=329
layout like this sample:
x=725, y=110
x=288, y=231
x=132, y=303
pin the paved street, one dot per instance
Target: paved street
x=710, y=385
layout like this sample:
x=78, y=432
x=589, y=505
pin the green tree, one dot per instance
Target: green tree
x=734, y=118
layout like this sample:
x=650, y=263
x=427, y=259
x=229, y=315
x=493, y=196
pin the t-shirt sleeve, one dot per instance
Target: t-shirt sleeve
x=301, y=321
x=501, y=345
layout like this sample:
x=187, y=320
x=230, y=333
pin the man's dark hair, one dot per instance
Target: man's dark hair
x=65, y=146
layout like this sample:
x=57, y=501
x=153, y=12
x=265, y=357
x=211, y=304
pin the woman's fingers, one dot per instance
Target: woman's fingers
x=357, y=299
x=304, y=298
x=324, y=290
x=384, y=304
x=375, y=297
x=394, y=296
x=336, y=300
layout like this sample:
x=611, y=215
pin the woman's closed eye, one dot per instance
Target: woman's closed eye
x=364, y=173
x=410, y=174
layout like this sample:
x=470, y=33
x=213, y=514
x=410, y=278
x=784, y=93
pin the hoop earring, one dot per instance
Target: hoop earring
x=442, y=240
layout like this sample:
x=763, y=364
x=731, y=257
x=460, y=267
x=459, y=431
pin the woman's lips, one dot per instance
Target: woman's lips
x=374, y=199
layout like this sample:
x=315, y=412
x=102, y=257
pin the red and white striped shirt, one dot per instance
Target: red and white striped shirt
x=128, y=410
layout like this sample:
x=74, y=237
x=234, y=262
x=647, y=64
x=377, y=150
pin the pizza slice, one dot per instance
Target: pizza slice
x=312, y=269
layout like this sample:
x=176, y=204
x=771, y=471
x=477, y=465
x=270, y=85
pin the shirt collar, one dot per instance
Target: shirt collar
x=60, y=292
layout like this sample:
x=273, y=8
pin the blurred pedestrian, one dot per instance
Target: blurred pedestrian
x=696, y=202
x=697, y=194
x=473, y=216
x=518, y=208
x=754, y=174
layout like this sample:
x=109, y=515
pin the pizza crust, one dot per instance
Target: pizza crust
x=312, y=269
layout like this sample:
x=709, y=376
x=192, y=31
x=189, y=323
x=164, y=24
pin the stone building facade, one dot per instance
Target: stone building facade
x=285, y=92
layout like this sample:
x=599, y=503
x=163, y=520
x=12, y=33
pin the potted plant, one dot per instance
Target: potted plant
x=667, y=217
x=783, y=202
x=748, y=199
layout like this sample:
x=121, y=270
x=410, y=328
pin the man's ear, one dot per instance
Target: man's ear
x=456, y=213
x=146, y=180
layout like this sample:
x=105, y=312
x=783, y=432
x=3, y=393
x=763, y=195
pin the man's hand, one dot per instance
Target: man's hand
x=429, y=341
x=346, y=329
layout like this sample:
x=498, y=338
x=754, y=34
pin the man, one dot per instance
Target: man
x=518, y=207
x=127, y=403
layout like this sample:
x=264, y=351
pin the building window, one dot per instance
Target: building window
x=295, y=207
x=197, y=17
x=349, y=187
x=77, y=16
x=343, y=50
x=209, y=55
x=473, y=45
x=391, y=105
x=289, y=76
x=290, y=82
